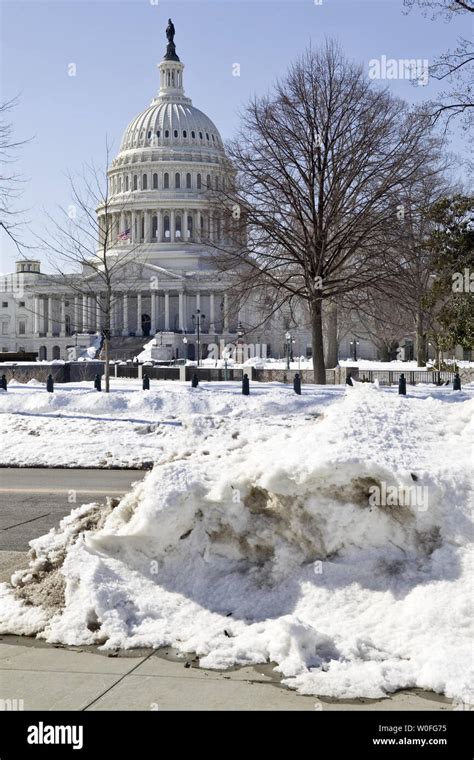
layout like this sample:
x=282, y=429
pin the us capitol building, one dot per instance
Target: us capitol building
x=160, y=209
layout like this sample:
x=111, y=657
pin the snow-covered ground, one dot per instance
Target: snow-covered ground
x=259, y=536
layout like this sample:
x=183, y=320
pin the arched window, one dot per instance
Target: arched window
x=155, y=182
x=154, y=227
x=120, y=184
x=198, y=182
x=144, y=182
x=56, y=352
x=166, y=228
x=188, y=181
x=127, y=184
x=135, y=182
x=43, y=353
x=167, y=133
x=177, y=180
x=207, y=136
x=189, y=234
x=166, y=181
x=158, y=133
x=149, y=133
x=185, y=134
x=176, y=133
x=193, y=135
x=178, y=227
x=68, y=324
x=213, y=138
x=200, y=135
x=208, y=182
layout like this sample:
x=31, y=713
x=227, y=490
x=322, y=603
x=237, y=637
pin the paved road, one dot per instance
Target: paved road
x=34, y=500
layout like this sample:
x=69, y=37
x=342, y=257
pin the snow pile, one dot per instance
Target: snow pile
x=278, y=550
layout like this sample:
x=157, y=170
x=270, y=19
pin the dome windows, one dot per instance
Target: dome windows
x=207, y=136
x=158, y=133
x=193, y=135
x=200, y=135
x=208, y=182
x=188, y=181
x=185, y=134
x=135, y=182
x=167, y=133
x=127, y=183
x=177, y=180
x=176, y=133
x=144, y=182
x=166, y=181
x=155, y=182
x=213, y=138
x=198, y=182
x=149, y=134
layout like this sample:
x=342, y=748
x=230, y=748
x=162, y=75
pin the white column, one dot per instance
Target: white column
x=147, y=227
x=154, y=297
x=197, y=233
x=76, y=314
x=125, y=315
x=98, y=314
x=167, y=310
x=133, y=234
x=139, y=315
x=85, y=322
x=50, y=317
x=226, y=313
x=172, y=226
x=211, y=225
x=91, y=308
x=62, y=327
x=122, y=222
x=212, y=327
x=198, y=300
x=159, y=226
x=181, y=310
x=36, y=316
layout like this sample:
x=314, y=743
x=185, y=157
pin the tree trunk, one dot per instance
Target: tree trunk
x=331, y=342
x=319, y=368
x=420, y=341
x=107, y=365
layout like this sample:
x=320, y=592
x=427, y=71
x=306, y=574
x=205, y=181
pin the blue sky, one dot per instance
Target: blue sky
x=116, y=44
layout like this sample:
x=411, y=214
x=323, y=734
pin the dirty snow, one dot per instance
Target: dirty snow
x=255, y=539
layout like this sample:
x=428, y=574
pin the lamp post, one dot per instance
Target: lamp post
x=197, y=322
x=240, y=333
x=288, y=349
x=185, y=341
x=354, y=343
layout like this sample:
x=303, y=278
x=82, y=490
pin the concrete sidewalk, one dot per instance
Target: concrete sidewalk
x=55, y=678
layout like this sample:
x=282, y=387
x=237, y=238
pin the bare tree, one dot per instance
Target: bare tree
x=84, y=253
x=454, y=67
x=10, y=182
x=321, y=164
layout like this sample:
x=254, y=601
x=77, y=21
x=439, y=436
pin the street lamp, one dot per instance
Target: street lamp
x=240, y=334
x=354, y=343
x=197, y=321
x=288, y=349
x=185, y=341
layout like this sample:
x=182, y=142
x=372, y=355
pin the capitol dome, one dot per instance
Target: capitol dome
x=168, y=123
x=164, y=182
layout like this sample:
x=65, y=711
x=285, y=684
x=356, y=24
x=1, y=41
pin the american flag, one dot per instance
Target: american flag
x=124, y=235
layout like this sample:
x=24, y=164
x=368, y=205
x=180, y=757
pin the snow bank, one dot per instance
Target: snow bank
x=247, y=550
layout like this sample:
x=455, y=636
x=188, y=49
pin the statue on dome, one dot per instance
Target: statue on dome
x=170, y=54
x=170, y=31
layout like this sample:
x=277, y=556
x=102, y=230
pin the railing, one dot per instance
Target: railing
x=391, y=377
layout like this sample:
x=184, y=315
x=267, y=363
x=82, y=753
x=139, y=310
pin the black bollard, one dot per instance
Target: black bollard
x=402, y=385
x=297, y=384
x=457, y=382
x=245, y=386
x=195, y=381
x=97, y=383
x=3, y=382
x=50, y=384
x=146, y=382
x=349, y=379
